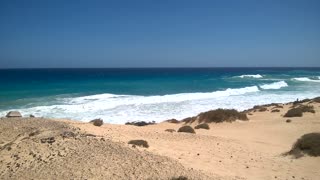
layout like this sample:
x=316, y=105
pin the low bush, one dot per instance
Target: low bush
x=275, y=110
x=298, y=111
x=308, y=144
x=221, y=115
x=186, y=129
x=173, y=121
x=97, y=122
x=140, y=123
x=189, y=120
x=317, y=99
x=202, y=126
x=141, y=143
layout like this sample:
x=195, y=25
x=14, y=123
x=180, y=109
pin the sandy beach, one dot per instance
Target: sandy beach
x=251, y=149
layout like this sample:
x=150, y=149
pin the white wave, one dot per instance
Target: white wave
x=306, y=79
x=275, y=85
x=251, y=76
x=123, y=108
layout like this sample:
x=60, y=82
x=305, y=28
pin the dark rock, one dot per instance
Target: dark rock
x=68, y=134
x=32, y=116
x=141, y=143
x=288, y=121
x=49, y=140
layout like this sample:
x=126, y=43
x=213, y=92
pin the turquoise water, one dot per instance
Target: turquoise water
x=121, y=95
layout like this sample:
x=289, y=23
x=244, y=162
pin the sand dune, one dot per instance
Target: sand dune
x=239, y=150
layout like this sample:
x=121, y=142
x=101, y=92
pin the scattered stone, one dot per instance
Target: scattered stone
x=179, y=178
x=49, y=140
x=31, y=116
x=36, y=132
x=141, y=143
x=88, y=135
x=288, y=121
x=12, y=114
x=170, y=130
x=68, y=134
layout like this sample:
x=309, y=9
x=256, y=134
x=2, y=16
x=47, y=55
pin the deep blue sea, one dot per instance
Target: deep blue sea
x=121, y=95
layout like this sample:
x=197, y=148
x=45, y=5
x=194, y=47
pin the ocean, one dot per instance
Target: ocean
x=149, y=94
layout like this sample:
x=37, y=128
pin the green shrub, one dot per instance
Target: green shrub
x=307, y=144
x=141, y=143
x=186, y=129
x=202, y=126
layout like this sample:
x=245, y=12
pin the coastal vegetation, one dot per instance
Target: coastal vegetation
x=186, y=129
x=307, y=144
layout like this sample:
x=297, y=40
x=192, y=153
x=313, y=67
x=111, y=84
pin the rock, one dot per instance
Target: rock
x=13, y=114
x=49, y=140
x=32, y=116
x=288, y=120
x=67, y=134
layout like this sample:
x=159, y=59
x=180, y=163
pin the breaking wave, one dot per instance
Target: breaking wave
x=251, y=76
x=275, y=85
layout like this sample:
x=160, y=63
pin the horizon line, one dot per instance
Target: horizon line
x=161, y=67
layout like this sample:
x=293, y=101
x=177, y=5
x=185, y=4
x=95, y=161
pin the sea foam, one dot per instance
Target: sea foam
x=275, y=85
x=122, y=108
x=306, y=79
x=251, y=76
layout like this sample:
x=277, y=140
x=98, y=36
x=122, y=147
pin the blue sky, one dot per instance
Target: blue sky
x=149, y=33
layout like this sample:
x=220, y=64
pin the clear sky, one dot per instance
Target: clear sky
x=163, y=33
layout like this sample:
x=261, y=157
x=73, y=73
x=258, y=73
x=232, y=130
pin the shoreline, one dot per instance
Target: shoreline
x=235, y=149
